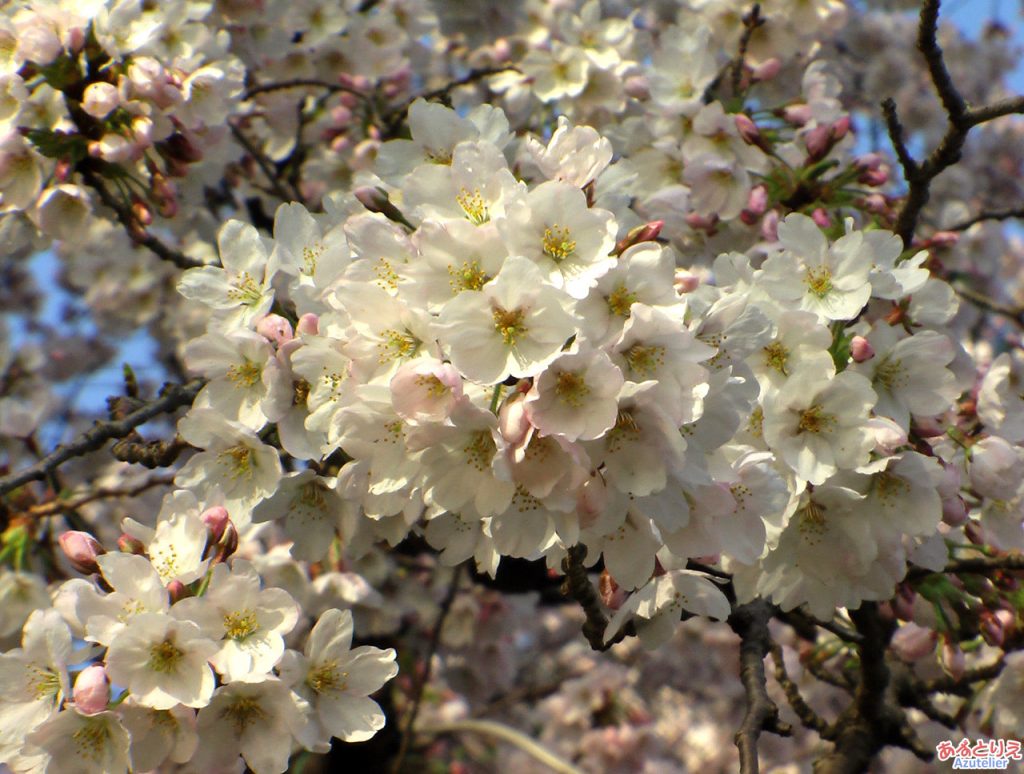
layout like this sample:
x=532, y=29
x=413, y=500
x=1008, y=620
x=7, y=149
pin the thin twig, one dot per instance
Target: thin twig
x=750, y=622
x=435, y=640
x=506, y=734
x=948, y=684
x=803, y=710
x=578, y=586
x=136, y=230
x=961, y=119
x=60, y=505
x=981, y=565
x=172, y=397
x=298, y=83
x=963, y=225
x=272, y=177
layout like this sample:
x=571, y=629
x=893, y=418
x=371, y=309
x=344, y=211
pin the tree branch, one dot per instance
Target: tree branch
x=64, y=505
x=961, y=119
x=803, y=710
x=750, y=622
x=136, y=230
x=421, y=684
x=578, y=586
x=963, y=225
x=171, y=398
x=273, y=178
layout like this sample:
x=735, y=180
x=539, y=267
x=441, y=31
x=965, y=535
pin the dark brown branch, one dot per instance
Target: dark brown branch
x=963, y=225
x=299, y=83
x=961, y=118
x=750, y=622
x=948, y=684
x=803, y=710
x=135, y=229
x=268, y=170
x=171, y=398
x=981, y=565
x=751, y=21
x=64, y=505
x=578, y=586
x=421, y=684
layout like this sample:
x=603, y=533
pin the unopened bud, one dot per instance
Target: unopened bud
x=700, y=222
x=818, y=142
x=181, y=148
x=142, y=212
x=648, y=232
x=81, y=549
x=92, y=690
x=685, y=281
x=275, y=328
x=874, y=177
x=770, y=226
x=309, y=323
x=992, y=629
x=637, y=87
x=798, y=115
x=177, y=591
x=748, y=129
x=100, y=99
x=216, y=520
x=821, y=217
x=943, y=239
x=130, y=545
x=952, y=659
x=954, y=511
x=372, y=198
x=612, y=595
x=767, y=70
x=861, y=350
x=63, y=170
x=912, y=642
x=228, y=543
x=757, y=205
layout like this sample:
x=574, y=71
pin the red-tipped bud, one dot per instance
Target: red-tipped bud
x=821, y=217
x=308, y=323
x=92, y=690
x=685, y=282
x=952, y=659
x=63, y=170
x=747, y=128
x=861, y=349
x=912, y=642
x=700, y=222
x=228, y=543
x=216, y=520
x=130, y=545
x=798, y=115
x=943, y=239
x=275, y=328
x=181, y=148
x=142, y=212
x=767, y=70
x=177, y=591
x=612, y=595
x=648, y=232
x=81, y=549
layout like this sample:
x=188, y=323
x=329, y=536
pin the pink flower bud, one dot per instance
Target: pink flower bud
x=767, y=70
x=100, y=99
x=76, y=39
x=700, y=222
x=637, y=87
x=821, y=217
x=513, y=424
x=142, y=212
x=216, y=520
x=748, y=129
x=130, y=545
x=819, y=142
x=943, y=239
x=954, y=511
x=371, y=198
x=81, y=549
x=228, y=544
x=757, y=201
x=309, y=323
x=861, y=349
x=952, y=659
x=275, y=328
x=612, y=594
x=770, y=226
x=798, y=115
x=888, y=435
x=648, y=232
x=874, y=177
x=992, y=629
x=181, y=148
x=876, y=203
x=912, y=642
x=840, y=128
x=92, y=690
x=177, y=591
x=63, y=170
x=685, y=282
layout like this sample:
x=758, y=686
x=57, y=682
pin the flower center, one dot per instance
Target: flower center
x=479, y=450
x=814, y=420
x=776, y=356
x=433, y=386
x=243, y=712
x=326, y=677
x=889, y=373
x=310, y=256
x=164, y=657
x=45, y=683
x=300, y=392
x=755, y=423
x=240, y=460
x=245, y=375
x=558, y=244
x=239, y=624
x=819, y=281
x=645, y=360
x=571, y=388
x=91, y=739
x=621, y=300
x=397, y=345
x=469, y=277
x=474, y=206
x=245, y=290
x=509, y=323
